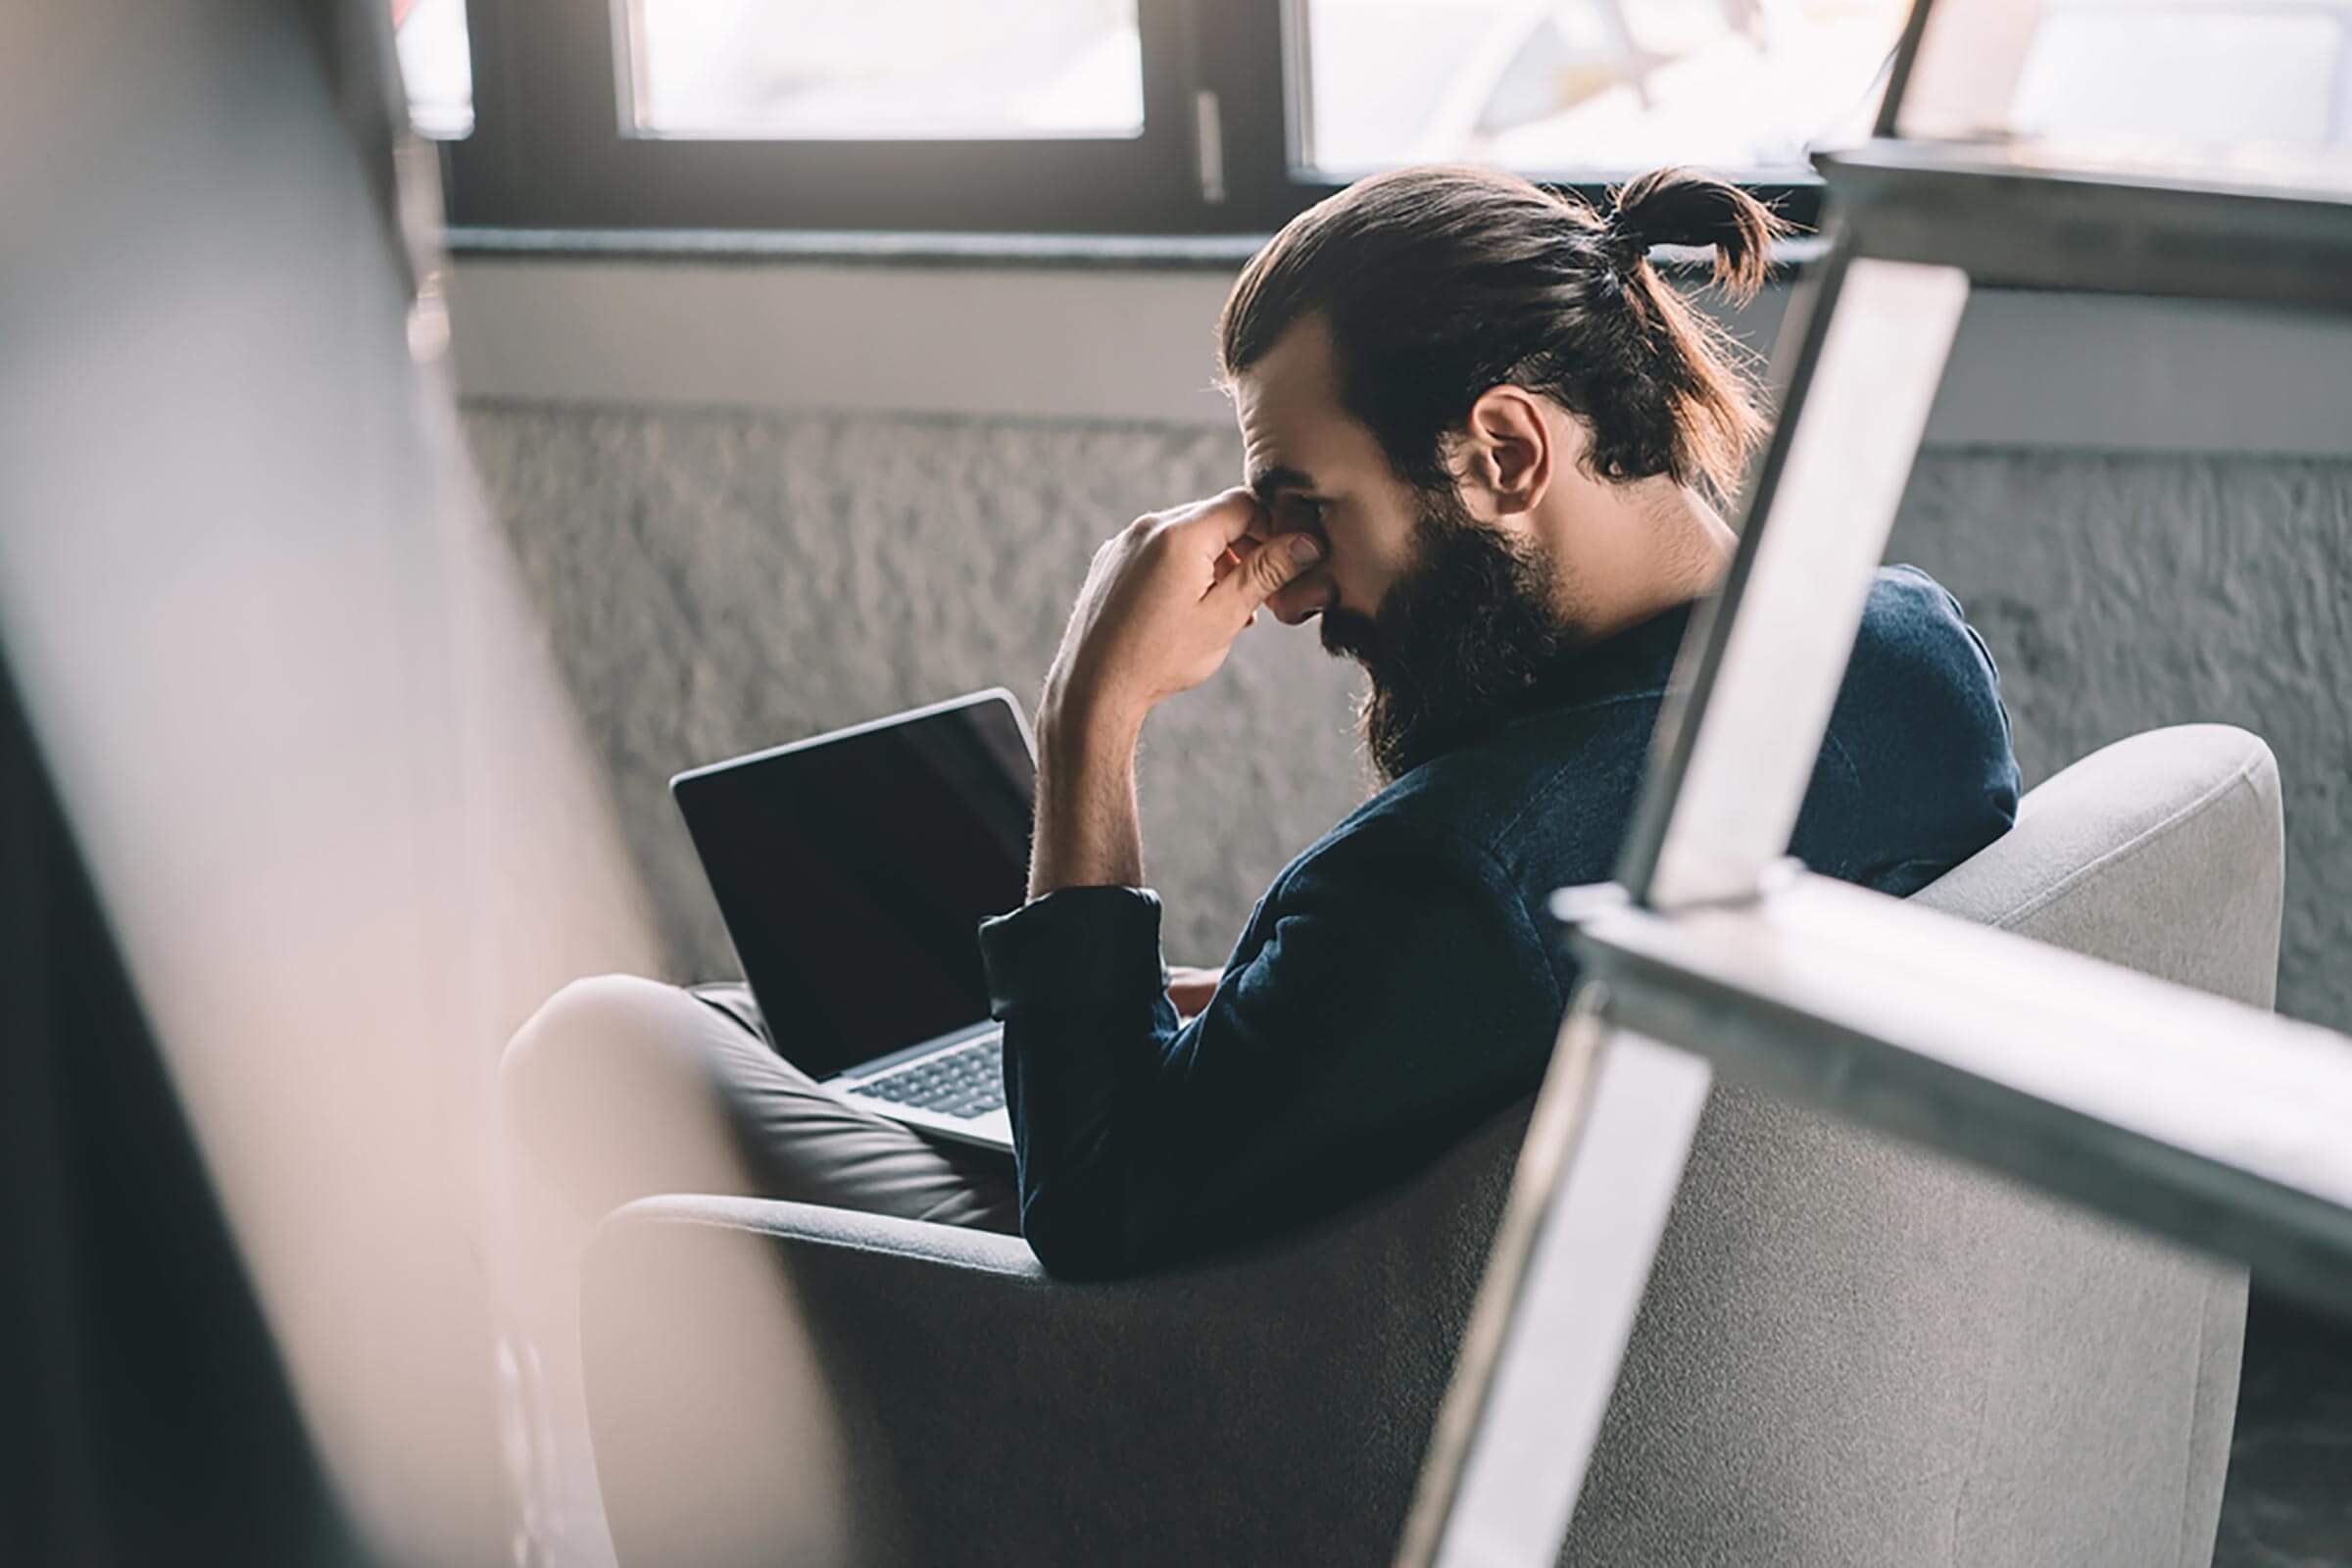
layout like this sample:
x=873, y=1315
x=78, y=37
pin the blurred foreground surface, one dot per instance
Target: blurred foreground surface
x=309, y=755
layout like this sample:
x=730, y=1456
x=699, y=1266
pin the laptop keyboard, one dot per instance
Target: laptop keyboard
x=967, y=1080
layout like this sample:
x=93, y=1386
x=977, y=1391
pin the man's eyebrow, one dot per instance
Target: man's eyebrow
x=1267, y=483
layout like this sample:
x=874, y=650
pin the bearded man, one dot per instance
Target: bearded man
x=1483, y=435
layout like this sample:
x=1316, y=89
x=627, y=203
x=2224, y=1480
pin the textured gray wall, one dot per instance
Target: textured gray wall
x=2123, y=592
x=722, y=581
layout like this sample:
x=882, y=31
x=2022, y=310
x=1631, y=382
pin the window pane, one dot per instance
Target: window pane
x=1605, y=87
x=2255, y=86
x=2201, y=75
x=886, y=69
x=435, y=65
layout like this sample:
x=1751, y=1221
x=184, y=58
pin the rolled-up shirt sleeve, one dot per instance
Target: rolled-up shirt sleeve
x=1074, y=949
x=1390, y=990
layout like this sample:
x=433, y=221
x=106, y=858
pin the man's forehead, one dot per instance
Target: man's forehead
x=1284, y=401
x=1266, y=464
x=1297, y=371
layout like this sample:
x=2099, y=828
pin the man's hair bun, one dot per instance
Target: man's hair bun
x=1683, y=207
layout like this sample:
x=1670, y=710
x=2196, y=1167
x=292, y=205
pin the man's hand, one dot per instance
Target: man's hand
x=1161, y=605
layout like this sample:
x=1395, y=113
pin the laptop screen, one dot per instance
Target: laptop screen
x=854, y=869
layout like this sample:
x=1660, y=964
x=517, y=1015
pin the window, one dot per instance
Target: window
x=1116, y=117
x=1615, y=86
x=916, y=70
x=436, y=64
x=2242, y=85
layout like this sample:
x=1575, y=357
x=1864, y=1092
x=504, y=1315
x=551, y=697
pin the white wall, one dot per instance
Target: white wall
x=2036, y=371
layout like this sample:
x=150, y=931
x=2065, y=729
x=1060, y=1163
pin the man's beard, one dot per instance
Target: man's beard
x=1460, y=642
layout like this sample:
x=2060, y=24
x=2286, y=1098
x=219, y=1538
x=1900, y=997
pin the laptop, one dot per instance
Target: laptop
x=853, y=871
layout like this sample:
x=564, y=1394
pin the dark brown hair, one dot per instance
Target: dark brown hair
x=1440, y=282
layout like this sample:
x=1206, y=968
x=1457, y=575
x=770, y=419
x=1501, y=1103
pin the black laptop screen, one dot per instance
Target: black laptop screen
x=853, y=872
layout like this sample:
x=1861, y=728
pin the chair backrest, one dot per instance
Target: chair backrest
x=2162, y=852
x=1857, y=1353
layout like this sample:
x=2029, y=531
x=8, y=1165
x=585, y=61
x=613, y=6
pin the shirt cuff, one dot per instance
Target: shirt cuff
x=1073, y=948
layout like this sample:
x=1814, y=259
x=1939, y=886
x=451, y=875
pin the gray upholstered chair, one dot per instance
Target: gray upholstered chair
x=1850, y=1353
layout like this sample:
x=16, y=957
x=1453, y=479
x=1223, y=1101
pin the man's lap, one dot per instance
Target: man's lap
x=620, y=1088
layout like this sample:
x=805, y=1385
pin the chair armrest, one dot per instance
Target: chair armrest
x=737, y=1355
x=814, y=1225
x=774, y=1381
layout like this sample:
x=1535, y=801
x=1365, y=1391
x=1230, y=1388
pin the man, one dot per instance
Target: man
x=1481, y=435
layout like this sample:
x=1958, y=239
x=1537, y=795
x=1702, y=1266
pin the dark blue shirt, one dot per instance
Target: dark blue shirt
x=1399, y=982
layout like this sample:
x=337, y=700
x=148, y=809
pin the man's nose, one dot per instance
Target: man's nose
x=1303, y=597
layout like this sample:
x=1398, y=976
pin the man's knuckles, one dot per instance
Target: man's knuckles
x=1202, y=528
x=1272, y=565
x=1221, y=515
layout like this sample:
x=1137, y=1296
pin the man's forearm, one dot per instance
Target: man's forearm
x=1087, y=830
x=1161, y=607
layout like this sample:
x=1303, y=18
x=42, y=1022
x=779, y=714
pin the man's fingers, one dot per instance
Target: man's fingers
x=1225, y=518
x=1238, y=514
x=1265, y=569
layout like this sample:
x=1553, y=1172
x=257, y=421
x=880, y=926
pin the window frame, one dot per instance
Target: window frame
x=1223, y=87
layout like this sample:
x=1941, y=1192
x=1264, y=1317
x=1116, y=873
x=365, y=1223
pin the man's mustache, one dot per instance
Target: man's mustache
x=1349, y=634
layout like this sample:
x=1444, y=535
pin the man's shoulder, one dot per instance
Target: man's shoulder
x=1913, y=628
x=1545, y=801
x=1555, y=786
x=1919, y=669
x=1918, y=755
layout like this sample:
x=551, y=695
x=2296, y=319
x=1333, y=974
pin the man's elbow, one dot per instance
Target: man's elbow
x=1078, y=1240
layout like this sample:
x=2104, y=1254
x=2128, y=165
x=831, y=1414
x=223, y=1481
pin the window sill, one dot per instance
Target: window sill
x=1158, y=253
x=1217, y=252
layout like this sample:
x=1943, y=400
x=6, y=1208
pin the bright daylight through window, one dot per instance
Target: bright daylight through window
x=436, y=65
x=885, y=69
x=1589, y=86
x=2265, y=86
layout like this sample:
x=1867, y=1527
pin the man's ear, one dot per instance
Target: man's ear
x=1510, y=455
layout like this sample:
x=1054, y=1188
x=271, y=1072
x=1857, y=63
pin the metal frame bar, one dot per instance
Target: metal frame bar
x=1898, y=74
x=1803, y=330
x=2011, y=221
x=1597, y=1174
x=1867, y=350
x=2203, y=1119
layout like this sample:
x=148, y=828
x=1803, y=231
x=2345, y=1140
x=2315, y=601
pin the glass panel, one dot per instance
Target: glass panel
x=886, y=69
x=2253, y=87
x=1595, y=88
x=436, y=64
